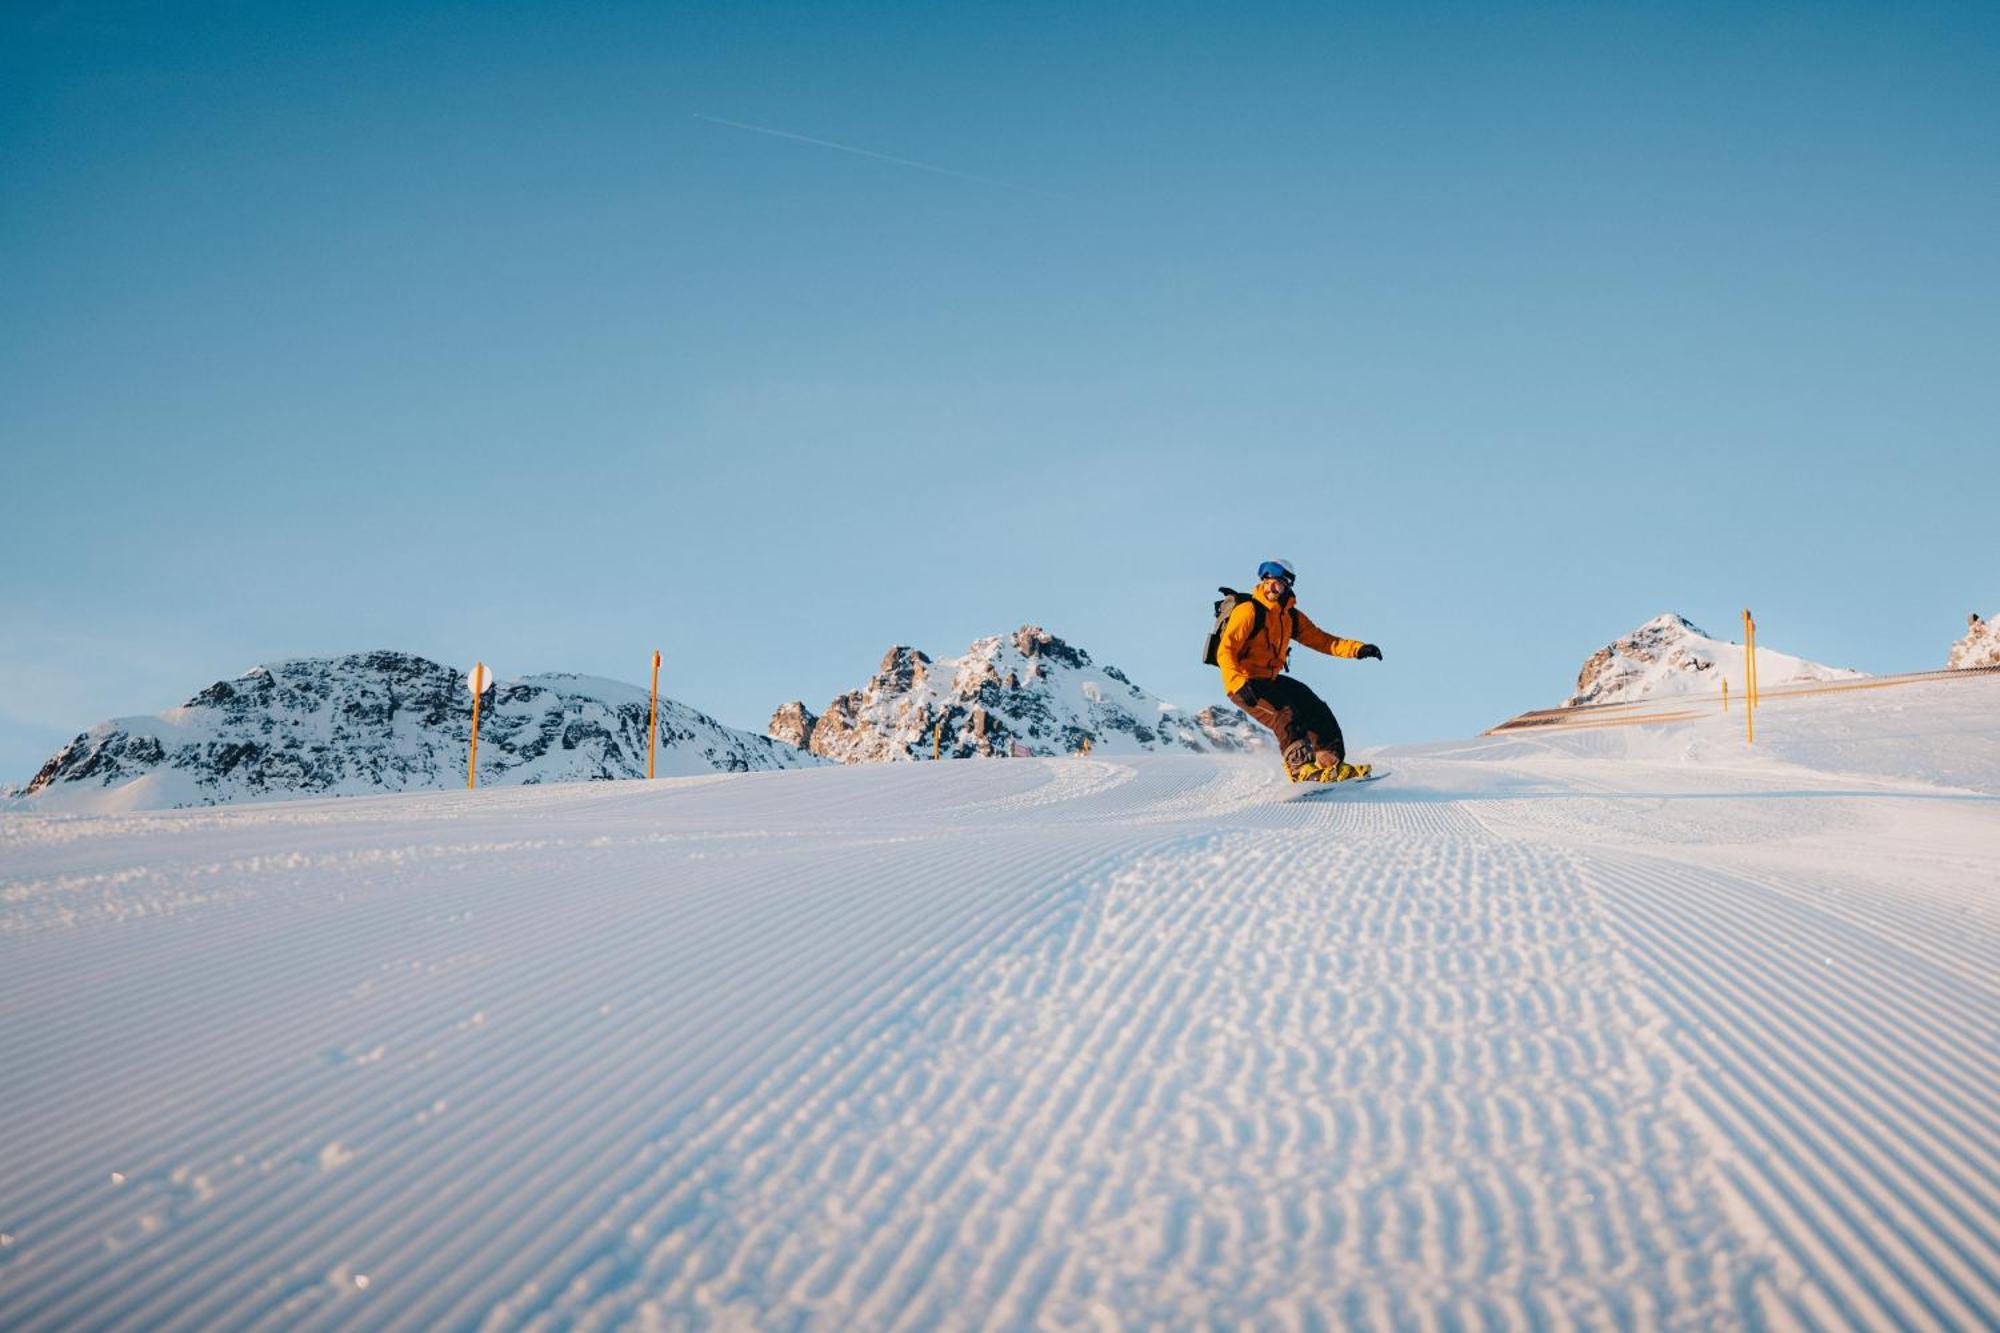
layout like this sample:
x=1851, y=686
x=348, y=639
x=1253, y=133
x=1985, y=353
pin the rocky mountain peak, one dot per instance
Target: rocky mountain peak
x=1034, y=642
x=1669, y=642
x=902, y=667
x=793, y=724
x=1979, y=648
x=1671, y=655
x=1026, y=692
x=378, y=722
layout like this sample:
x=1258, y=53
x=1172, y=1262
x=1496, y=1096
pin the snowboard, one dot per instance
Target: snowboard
x=1306, y=790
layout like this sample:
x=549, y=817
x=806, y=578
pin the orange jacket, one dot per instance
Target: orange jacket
x=1244, y=657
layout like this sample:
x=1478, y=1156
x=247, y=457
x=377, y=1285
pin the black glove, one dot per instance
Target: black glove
x=1245, y=698
x=1368, y=650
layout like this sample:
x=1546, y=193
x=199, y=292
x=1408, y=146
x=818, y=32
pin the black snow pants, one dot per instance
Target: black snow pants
x=1305, y=727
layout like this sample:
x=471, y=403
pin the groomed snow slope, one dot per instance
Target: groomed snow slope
x=1623, y=1027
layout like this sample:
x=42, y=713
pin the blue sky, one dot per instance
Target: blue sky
x=456, y=328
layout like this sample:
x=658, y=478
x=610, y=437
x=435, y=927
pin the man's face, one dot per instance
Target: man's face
x=1274, y=588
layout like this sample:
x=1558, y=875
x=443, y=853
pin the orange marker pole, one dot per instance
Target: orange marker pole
x=937, y=740
x=1725, y=694
x=472, y=764
x=653, y=717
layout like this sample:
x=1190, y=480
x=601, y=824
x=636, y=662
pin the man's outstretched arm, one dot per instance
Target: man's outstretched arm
x=1312, y=636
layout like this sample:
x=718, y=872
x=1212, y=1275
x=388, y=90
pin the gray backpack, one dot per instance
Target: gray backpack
x=1231, y=599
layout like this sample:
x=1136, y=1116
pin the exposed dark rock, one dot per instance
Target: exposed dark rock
x=793, y=724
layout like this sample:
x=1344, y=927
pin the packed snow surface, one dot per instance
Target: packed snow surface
x=1639, y=1027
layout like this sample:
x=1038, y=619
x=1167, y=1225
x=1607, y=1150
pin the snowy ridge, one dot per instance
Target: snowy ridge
x=1979, y=648
x=1540, y=1032
x=1028, y=693
x=382, y=722
x=1669, y=656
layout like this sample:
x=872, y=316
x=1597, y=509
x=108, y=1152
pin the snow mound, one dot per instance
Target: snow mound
x=1028, y=693
x=370, y=723
x=1669, y=655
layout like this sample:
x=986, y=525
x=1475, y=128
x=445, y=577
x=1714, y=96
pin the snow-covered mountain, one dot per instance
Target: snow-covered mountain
x=1668, y=655
x=382, y=722
x=1979, y=648
x=1028, y=692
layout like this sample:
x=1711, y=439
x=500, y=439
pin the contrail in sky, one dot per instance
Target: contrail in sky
x=866, y=152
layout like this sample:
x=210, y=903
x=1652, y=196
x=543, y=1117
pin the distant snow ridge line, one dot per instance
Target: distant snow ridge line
x=1026, y=693
x=380, y=722
x=1979, y=648
x=1669, y=655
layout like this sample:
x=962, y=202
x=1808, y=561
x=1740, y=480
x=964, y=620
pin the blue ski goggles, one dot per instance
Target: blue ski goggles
x=1271, y=569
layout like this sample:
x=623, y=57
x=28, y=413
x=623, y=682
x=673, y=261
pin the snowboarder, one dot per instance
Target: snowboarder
x=1252, y=650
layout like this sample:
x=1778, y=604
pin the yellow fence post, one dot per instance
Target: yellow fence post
x=477, y=682
x=653, y=718
x=1749, y=678
x=1725, y=694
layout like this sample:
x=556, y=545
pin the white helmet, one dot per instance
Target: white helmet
x=1277, y=569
